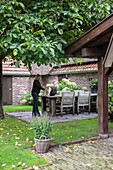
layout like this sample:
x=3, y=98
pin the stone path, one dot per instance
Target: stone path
x=27, y=116
x=91, y=155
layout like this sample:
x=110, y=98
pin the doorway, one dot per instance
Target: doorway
x=7, y=90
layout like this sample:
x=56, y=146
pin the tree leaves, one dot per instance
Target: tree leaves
x=41, y=30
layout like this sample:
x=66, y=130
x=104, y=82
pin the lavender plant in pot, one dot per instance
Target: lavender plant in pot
x=42, y=126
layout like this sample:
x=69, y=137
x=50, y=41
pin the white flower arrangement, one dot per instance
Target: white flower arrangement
x=65, y=80
x=109, y=82
x=49, y=85
x=65, y=89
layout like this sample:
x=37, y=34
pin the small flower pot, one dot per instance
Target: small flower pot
x=42, y=145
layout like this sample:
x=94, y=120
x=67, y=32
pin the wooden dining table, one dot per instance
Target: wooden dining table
x=52, y=102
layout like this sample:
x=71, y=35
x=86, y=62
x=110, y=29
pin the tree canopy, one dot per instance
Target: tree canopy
x=40, y=30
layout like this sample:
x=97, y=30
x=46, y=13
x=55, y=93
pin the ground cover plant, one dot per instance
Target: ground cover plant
x=17, y=136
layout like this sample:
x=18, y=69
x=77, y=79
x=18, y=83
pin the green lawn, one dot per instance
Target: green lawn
x=75, y=130
x=16, y=108
x=16, y=137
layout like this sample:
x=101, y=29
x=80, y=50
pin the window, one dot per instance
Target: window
x=90, y=80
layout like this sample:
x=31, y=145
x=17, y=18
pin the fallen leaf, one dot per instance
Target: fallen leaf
x=3, y=164
x=67, y=137
x=19, y=163
x=89, y=141
x=31, y=141
x=23, y=164
x=66, y=149
x=17, y=137
x=19, y=144
x=1, y=129
x=27, y=140
x=16, y=143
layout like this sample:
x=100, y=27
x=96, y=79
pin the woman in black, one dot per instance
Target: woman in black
x=35, y=91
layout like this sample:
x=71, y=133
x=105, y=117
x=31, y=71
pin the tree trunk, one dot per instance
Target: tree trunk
x=1, y=97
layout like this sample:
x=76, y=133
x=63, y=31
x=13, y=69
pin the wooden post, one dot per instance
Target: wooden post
x=102, y=98
x=53, y=106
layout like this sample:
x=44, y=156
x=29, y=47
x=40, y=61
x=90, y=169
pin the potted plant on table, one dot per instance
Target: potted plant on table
x=94, y=85
x=42, y=126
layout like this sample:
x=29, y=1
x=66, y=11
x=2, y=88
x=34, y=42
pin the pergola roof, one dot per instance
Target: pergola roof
x=97, y=37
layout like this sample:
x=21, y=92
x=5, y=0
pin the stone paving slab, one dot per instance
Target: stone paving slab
x=27, y=116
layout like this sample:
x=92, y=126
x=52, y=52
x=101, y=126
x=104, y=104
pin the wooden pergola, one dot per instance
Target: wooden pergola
x=98, y=43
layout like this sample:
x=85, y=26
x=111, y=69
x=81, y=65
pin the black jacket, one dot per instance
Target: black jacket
x=37, y=87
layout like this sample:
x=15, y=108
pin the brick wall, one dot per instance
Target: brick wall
x=82, y=79
x=24, y=84
x=49, y=79
x=19, y=86
x=77, y=78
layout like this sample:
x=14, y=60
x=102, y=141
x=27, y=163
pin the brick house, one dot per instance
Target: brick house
x=16, y=81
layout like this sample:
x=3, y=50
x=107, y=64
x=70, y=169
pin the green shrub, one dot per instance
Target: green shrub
x=66, y=85
x=110, y=98
x=27, y=98
x=84, y=88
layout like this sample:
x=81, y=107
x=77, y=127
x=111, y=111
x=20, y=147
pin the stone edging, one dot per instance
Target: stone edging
x=101, y=136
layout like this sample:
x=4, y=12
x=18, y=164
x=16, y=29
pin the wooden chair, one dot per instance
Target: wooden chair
x=83, y=100
x=68, y=101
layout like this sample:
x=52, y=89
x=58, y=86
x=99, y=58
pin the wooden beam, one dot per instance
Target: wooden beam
x=92, y=52
x=108, y=59
x=108, y=70
x=102, y=98
x=95, y=32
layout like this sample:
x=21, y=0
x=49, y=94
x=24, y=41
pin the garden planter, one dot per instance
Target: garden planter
x=94, y=90
x=42, y=145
